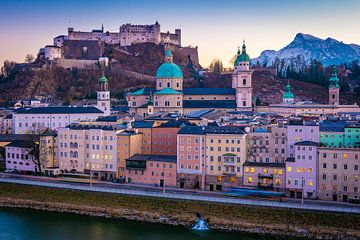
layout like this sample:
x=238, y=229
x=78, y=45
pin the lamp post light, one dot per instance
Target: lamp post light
x=302, y=190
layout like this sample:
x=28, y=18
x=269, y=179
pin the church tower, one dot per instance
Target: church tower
x=242, y=80
x=103, y=96
x=288, y=96
x=334, y=88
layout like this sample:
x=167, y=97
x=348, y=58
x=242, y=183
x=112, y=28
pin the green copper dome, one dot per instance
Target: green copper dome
x=103, y=79
x=334, y=80
x=169, y=69
x=288, y=94
x=243, y=57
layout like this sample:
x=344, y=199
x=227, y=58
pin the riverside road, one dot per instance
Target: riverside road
x=174, y=193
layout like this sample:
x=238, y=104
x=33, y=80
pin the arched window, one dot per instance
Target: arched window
x=168, y=84
x=159, y=84
x=177, y=84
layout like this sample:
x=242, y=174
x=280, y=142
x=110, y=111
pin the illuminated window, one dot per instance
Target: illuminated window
x=266, y=170
x=275, y=171
x=252, y=170
x=303, y=170
x=247, y=169
x=219, y=178
x=106, y=156
x=266, y=181
x=280, y=172
x=249, y=179
x=310, y=183
x=289, y=169
x=324, y=187
x=310, y=170
x=277, y=181
x=298, y=169
x=346, y=155
x=233, y=179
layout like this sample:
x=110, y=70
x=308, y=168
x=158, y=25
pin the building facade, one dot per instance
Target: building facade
x=339, y=174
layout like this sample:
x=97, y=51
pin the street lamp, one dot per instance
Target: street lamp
x=302, y=190
x=90, y=175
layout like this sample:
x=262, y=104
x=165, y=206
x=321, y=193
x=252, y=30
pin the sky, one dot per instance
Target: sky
x=217, y=27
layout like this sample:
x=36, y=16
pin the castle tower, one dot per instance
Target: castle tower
x=103, y=96
x=334, y=88
x=169, y=75
x=288, y=96
x=242, y=80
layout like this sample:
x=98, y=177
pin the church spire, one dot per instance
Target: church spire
x=168, y=56
x=334, y=80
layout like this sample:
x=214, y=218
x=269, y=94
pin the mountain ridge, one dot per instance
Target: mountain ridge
x=307, y=47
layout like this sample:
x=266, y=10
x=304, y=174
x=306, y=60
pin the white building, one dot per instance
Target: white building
x=85, y=147
x=35, y=120
x=18, y=157
x=52, y=52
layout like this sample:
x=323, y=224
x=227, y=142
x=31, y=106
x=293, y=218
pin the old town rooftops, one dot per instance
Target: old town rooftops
x=155, y=158
x=58, y=110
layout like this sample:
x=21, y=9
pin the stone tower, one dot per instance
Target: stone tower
x=103, y=96
x=241, y=80
x=334, y=88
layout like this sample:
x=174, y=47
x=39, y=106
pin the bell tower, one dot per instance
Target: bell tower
x=103, y=96
x=242, y=80
x=334, y=88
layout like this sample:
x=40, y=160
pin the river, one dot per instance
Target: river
x=22, y=224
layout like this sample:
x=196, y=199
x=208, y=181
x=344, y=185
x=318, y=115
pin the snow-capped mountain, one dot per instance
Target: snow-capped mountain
x=306, y=47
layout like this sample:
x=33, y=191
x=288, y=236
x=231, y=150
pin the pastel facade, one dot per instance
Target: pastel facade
x=300, y=131
x=301, y=177
x=52, y=52
x=352, y=136
x=155, y=170
x=339, y=174
x=19, y=156
x=129, y=143
x=270, y=176
x=88, y=148
x=191, y=158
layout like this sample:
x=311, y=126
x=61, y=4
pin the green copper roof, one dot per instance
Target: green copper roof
x=169, y=70
x=288, y=93
x=138, y=92
x=334, y=80
x=243, y=57
x=168, y=53
x=103, y=79
x=167, y=91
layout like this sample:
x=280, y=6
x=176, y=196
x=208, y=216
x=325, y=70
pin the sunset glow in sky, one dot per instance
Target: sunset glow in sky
x=216, y=27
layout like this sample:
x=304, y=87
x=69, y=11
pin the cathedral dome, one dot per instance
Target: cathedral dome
x=169, y=69
x=288, y=94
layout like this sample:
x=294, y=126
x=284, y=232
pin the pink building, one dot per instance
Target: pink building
x=190, y=157
x=298, y=131
x=18, y=156
x=301, y=170
x=155, y=170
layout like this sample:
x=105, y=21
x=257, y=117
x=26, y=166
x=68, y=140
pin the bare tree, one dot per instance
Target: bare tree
x=29, y=58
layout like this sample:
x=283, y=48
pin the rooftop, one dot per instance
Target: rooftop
x=58, y=110
x=176, y=124
x=197, y=130
x=307, y=143
x=144, y=91
x=90, y=126
x=229, y=104
x=22, y=144
x=156, y=158
x=209, y=91
x=224, y=130
x=262, y=164
x=143, y=124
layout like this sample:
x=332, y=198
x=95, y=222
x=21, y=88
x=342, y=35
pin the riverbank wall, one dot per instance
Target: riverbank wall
x=259, y=220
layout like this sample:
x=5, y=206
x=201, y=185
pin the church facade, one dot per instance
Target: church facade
x=170, y=96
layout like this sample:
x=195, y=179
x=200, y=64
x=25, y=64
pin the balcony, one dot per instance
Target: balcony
x=265, y=175
x=230, y=163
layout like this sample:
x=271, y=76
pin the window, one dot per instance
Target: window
x=244, y=81
x=249, y=179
